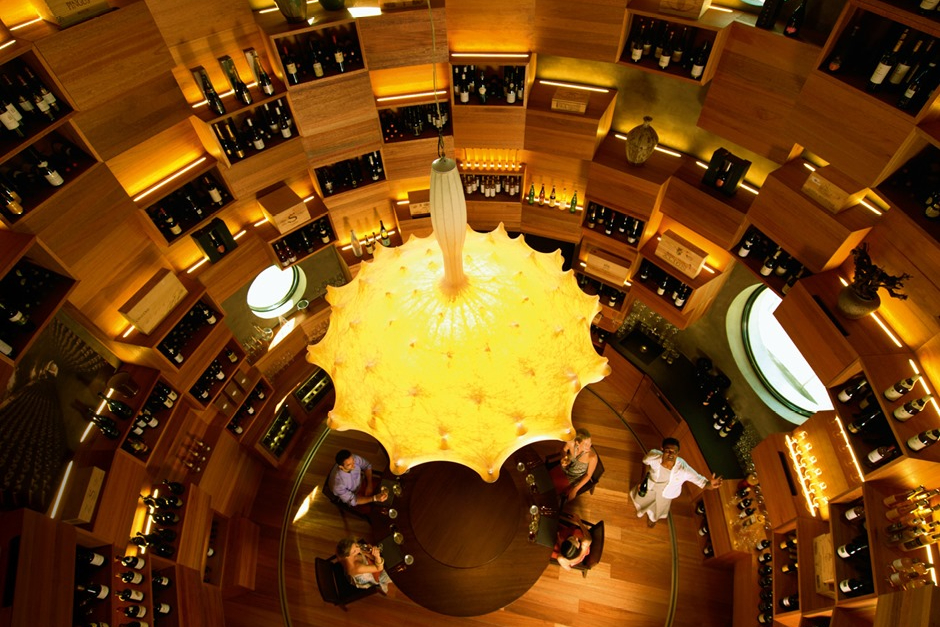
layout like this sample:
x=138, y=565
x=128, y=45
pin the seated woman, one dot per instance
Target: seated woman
x=364, y=568
x=572, y=544
x=578, y=461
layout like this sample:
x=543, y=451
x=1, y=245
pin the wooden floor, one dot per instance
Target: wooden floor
x=630, y=587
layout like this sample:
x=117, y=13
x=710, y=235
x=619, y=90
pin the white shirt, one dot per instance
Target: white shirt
x=674, y=478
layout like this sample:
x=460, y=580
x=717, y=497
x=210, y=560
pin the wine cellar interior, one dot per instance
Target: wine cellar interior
x=159, y=155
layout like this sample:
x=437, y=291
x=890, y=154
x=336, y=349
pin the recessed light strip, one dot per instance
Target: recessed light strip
x=58, y=496
x=25, y=24
x=599, y=90
x=8, y=44
x=887, y=331
x=422, y=94
x=490, y=55
x=169, y=179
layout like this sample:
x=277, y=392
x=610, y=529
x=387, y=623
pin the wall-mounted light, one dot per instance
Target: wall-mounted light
x=747, y=187
x=168, y=179
x=490, y=55
x=403, y=202
x=884, y=327
x=58, y=496
x=658, y=148
x=809, y=166
x=848, y=447
x=875, y=210
x=197, y=265
x=805, y=481
x=8, y=44
x=238, y=235
x=364, y=11
x=128, y=331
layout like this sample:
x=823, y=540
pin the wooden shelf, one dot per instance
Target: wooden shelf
x=580, y=133
x=634, y=190
x=552, y=222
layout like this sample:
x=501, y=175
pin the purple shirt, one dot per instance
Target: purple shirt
x=346, y=484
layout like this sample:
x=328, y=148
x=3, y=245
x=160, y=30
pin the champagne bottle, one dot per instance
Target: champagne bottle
x=644, y=486
x=923, y=439
x=356, y=246
x=910, y=409
x=290, y=66
x=886, y=64
x=701, y=60
x=795, y=22
x=116, y=407
x=264, y=80
x=845, y=51
x=383, y=234
x=854, y=587
x=901, y=388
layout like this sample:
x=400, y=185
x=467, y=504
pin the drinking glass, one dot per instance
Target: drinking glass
x=409, y=559
x=393, y=513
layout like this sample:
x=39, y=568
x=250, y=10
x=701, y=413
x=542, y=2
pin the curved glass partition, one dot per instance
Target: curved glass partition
x=313, y=525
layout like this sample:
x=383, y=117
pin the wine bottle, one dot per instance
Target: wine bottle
x=134, y=623
x=853, y=587
x=118, y=408
x=165, y=518
x=747, y=244
x=763, y=558
x=161, y=581
x=881, y=455
x=923, y=439
x=789, y=542
x=162, y=608
x=845, y=51
x=129, y=594
x=901, y=388
x=264, y=80
x=88, y=557
x=636, y=45
x=644, y=486
x=917, y=506
x=13, y=315
x=857, y=545
x=903, y=66
x=354, y=242
x=790, y=603
x=701, y=60
x=856, y=512
x=864, y=419
x=131, y=577
x=895, y=499
x=107, y=426
x=771, y=262
x=290, y=66
x=795, y=22
x=790, y=568
x=93, y=590
x=135, y=611
x=284, y=122
x=910, y=409
x=852, y=389
x=886, y=64
x=920, y=85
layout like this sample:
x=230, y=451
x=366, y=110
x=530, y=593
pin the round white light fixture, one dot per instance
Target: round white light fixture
x=274, y=292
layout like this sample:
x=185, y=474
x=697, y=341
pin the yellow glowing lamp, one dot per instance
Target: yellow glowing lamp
x=461, y=346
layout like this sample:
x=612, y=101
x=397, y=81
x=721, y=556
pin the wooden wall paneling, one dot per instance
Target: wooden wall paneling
x=551, y=222
x=916, y=608
x=489, y=126
x=755, y=87
x=231, y=476
x=820, y=239
x=117, y=503
x=401, y=38
x=412, y=159
x=181, y=21
x=411, y=79
x=579, y=135
x=118, y=125
x=241, y=555
x=357, y=139
x=361, y=210
x=770, y=460
x=223, y=278
x=853, y=617
x=490, y=25
x=201, y=604
x=158, y=157
x=555, y=168
x=615, y=183
x=809, y=326
x=258, y=172
x=928, y=354
x=626, y=377
x=98, y=60
x=899, y=246
x=595, y=31
x=705, y=210
x=16, y=12
x=194, y=528
x=745, y=592
x=331, y=113
x=863, y=137
x=657, y=408
x=485, y=215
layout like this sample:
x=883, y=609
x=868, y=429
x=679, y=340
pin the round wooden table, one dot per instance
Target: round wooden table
x=469, y=539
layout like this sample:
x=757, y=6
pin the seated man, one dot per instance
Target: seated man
x=578, y=461
x=362, y=563
x=572, y=544
x=347, y=483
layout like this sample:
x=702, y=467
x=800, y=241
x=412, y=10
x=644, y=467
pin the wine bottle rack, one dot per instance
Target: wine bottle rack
x=694, y=46
x=612, y=297
x=414, y=122
x=279, y=434
x=33, y=124
x=624, y=229
x=21, y=256
x=467, y=78
x=312, y=52
x=233, y=106
x=214, y=378
x=85, y=607
x=24, y=180
x=166, y=595
x=879, y=28
x=217, y=132
x=915, y=187
x=876, y=433
x=118, y=605
x=153, y=408
x=170, y=205
x=244, y=394
x=305, y=240
x=349, y=174
x=844, y=531
x=787, y=269
x=309, y=393
x=215, y=563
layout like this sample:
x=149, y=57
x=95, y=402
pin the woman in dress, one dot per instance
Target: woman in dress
x=364, y=568
x=578, y=461
x=667, y=472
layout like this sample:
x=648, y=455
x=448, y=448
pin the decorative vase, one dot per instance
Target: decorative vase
x=641, y=141
x=333, y=5
x=853, y=306
x=294, y=11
